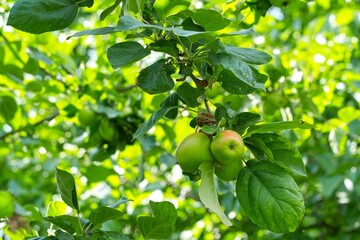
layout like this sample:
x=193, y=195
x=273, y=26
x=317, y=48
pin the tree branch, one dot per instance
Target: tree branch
x=48, y=118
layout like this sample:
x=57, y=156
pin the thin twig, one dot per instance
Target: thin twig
x=206, y=102
x=48, y=118
x=127, y=88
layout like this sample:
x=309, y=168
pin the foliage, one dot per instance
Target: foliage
x=148, y=73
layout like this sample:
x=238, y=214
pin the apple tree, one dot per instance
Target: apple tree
x=181, y=119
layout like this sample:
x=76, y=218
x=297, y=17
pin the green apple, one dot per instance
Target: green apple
x=227, y=147
x=192, y=151
x=273, y=101
x=86, y=117
x=228, y=172
x=107, y=130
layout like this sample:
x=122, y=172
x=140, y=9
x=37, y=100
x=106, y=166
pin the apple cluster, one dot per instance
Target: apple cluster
x=225, y=149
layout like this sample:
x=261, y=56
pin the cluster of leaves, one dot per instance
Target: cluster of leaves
x=190, y=42
x=76, y=227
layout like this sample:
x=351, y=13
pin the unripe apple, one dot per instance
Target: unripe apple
x=107, y=130
x=227, y=147
x=192, y=151
x=228, y=172
x=86, y=117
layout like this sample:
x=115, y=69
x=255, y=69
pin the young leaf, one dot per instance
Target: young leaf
x=156, y=78
x=165, y=46
x=165, y=211
x=55, y=208
x=278, y=126
x=154, y=228
x=239, y=69
x=125, y=53
x=129, y=23
x=207, y=191
x=155, y=117
x=6, y=204
x=235, y=85
x=96, y=31
x=189, y=95
x=104, y=214
x=116, y=235
x=109, y=10
x=67, y=188
x=42, y=15
x=211, y=20
x=62, y=235
x=244, y=120
x=165, y=8
x=270, y=197
x=277, y=149
x=135, y=6
x=85, y=3
x=171, y=102
x=249, y=55
x=118, y=203
x=68, y=223
x=8, y=107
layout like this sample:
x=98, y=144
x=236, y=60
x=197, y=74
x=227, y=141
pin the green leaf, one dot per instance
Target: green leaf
x=6, y=205
x=154, y=228
x=156, y=78
x=63, y=235
x=270, y=197
x=129, y=23
x=241, y=32
x=165, y=211
x=278, y=126
x=249, y=55
x=208, y=193
x=244, y=120
x=277, y=149
x=172, y=102
x=67, y=188
x=165, y=46
x=8, y=107
x=239, y=69
x=96, y=31
x=189, y=33
x=210, y=129
x=155, y=117
x=211, y=20
x=235, y=85
x=68, y=223
x=329, y=184
x=55, y=208
x=135, y=6
x=165, y=8
x=189, y=95
x=42, y=15
x=116, y=235
x=104, y=214
x=109, y=10
x=124, y=53
x=118, y=203
x=85, y=3
x=97, y=173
